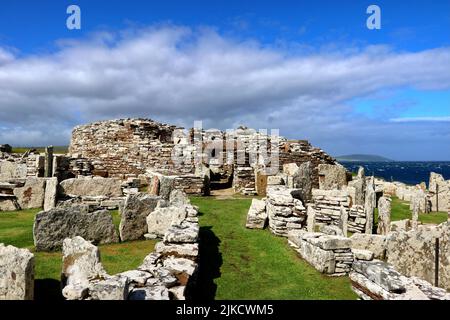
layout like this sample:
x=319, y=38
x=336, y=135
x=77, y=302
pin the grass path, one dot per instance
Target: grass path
x=239, y=263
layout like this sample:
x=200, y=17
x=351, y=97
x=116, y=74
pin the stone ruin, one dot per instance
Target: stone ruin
x=167, y=273
x=397, y=262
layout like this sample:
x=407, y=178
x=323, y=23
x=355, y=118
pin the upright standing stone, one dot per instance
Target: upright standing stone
x=332, y=176
x=51, y=191
x=370, y=204
x=133, y=223
x=48, y=162
x=359, y=185
x=384, y=215
x=415, y=213
x=311, y=218
x=16, y=273
x=343, y=222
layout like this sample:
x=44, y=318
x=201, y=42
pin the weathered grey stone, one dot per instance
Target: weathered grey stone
x=92, y=186
x=133, y=223
x=183, y=250
x=382, y=274
x=12, y=170
x=440, y=194
x=303, y=181
x=31, y=195
x=51, y=193
x=401, y=225
x=332, y=176
x=186, y=232
x=111, y=288
x=8, y=203
x=343, y=222
x=359, y=185
x=370, y=204
x=413, y=252
x=384, y=216
x=166, y=185
x=328, y=242
x=178, y=292
x=257, y=215
x=360, y=254
x=16, y=273
x=311, y=218
x=160, y=219
x=275, y=180
x=331, y=230
x=371, y=242
x=178, y=198
x=53, y=226
x=81, y=263
x=182, y=268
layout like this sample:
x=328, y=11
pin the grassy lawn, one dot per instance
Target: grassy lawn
x=400, y=211
x=16, y=228
x=238, y=263
x=56, y=149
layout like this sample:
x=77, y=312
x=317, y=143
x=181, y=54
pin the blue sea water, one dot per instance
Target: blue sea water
x=407, y=172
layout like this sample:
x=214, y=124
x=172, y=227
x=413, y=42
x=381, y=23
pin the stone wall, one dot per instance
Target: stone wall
x=328, y=254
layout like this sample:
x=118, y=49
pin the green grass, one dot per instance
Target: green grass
x=400, y=211
x=238, y=263
x=16, y=228
x=56, y=149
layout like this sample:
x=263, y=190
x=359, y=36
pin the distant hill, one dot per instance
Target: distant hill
x=362, y=158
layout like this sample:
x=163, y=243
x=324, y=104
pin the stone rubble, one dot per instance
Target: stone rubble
x=167, y=273
x=257, y=215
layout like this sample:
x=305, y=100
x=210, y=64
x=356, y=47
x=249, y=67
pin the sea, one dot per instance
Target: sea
x=408, y=172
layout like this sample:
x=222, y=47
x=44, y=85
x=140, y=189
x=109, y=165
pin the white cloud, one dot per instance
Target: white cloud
x=421, y=119
x=179, y=75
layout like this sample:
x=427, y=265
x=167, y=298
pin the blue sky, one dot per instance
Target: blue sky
x=312, y=69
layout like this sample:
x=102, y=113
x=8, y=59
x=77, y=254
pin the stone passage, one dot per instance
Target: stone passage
x=328, y=254
x=16, y=273
x=53, y=226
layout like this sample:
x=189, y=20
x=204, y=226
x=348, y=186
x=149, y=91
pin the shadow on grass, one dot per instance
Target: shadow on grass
x=47, y=290
x=209, y=265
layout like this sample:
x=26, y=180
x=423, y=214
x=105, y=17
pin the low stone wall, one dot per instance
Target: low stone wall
x=16, y=273
x=168, y=273
x=328, y=254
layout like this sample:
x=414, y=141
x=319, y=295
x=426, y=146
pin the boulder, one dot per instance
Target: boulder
x=137, y=207
x=32, y=194
x=159, y=221
x=16, y=273
x=382, y=274
x=12, y=170
x=81, y=263
x=185, y=232
x=413, y=252
x=371, y=242
x=178, y=198
x=92, y=187
x=257, y=215
x=8, y=203
x=111, y=288
x=365, y=255
x=302, y=180
x=332, y=176
x=51, y=193
x=53, y=226
x=384, y=216
x=440, y=192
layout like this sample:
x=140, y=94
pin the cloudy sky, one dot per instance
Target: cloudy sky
x=312, y=70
